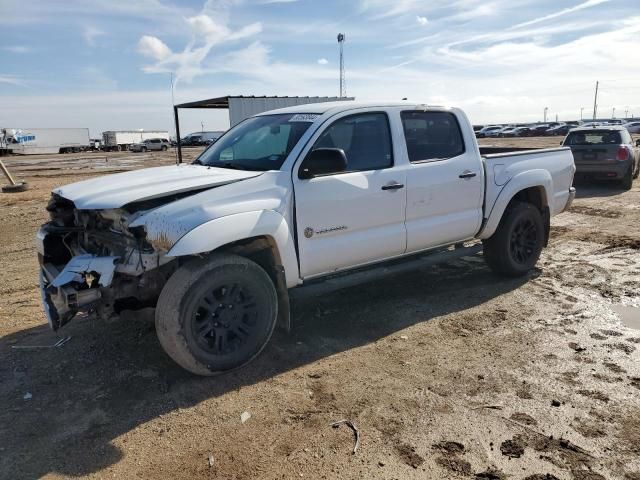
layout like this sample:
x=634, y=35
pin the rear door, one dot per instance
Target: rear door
x=445, y=180
x=355, y=217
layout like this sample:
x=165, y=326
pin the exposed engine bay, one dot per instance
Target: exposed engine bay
x=93, y=262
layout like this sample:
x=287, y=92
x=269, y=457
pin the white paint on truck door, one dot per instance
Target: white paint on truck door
x=445, y=180
x=352, y=218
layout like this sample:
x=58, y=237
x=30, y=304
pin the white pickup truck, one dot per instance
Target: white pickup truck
x=283, y=198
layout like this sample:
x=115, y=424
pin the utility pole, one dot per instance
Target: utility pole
x=343, y=85
x=202, y=126
x=556, y=118
x=626, y=112
x=613, y=114
x=581, y=110
x=546, y=109
x=595, y=103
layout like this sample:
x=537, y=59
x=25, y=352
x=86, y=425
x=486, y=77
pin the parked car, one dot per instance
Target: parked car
x=520, y=132
x=539, y=130
x=150, y=144
x=558, y=130
x=286, y=197
x=506, y=132
x=632, y=127
x=198, y=139
x=488, y=131
x=605, y=152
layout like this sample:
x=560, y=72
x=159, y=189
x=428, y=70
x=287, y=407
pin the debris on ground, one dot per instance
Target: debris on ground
x=355, y=432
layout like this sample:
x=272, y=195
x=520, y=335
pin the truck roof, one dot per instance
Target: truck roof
x=336, y=107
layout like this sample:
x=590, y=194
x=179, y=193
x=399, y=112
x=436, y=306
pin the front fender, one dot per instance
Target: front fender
x=531, y=178
x=213, y=234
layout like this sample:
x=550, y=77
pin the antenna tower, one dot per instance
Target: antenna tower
x=343, y=84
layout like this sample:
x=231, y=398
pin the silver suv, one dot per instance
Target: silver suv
x=150, y=144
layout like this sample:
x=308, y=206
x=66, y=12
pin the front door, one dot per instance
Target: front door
x=354, y=217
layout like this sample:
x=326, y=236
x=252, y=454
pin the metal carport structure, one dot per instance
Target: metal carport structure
x=241, y=107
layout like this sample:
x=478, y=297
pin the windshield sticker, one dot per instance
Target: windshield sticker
x=304, y=117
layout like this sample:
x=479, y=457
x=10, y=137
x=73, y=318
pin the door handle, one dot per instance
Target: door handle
x=467, y=174
x=393, y=186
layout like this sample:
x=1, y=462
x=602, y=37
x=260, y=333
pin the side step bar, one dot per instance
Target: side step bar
x=366, y=274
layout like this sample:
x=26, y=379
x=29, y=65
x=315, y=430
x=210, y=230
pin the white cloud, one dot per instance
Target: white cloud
x=581, y=6
x=153, y=47
x=90, y=33
x=422, y=20
x=17, y=49
x=12, y=80
x=323, y=61
x=208, y=30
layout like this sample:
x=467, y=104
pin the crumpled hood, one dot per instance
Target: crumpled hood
x=115, y=191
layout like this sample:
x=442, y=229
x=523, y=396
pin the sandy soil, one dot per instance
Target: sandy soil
x=447, y=372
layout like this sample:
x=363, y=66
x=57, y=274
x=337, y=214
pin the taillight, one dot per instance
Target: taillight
x=623, y=154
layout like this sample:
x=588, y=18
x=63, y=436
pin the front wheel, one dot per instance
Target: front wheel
x=164, y=148
x=516, y=245
x=217, y=314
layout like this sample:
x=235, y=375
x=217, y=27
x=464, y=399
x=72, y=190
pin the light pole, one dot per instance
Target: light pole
x=626, y=112
x=581, y=110
x=613, y=113
x=202, y=126
x=546, y=109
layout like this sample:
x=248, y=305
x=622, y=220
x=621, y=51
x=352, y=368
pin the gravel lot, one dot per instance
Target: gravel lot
x=447, y=372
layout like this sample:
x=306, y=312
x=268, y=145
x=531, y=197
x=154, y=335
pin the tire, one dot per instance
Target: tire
x=202, y=290
x=18, y=187
x=627, y=180
x=637, y=172
x=164, y=148
x=516, y=245
x=143, y=149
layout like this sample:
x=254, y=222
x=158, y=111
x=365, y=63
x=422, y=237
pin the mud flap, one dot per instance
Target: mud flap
x=284, y=308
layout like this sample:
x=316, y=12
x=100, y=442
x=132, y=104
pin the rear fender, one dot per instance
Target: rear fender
x=224, y=230
x=538, y=178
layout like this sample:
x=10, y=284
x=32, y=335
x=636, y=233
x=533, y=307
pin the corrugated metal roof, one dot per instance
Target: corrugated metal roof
x=223, y=102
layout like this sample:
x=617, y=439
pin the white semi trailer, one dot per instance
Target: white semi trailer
x=30, y=141
x=122, y=139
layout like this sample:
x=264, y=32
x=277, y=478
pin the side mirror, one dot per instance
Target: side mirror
x=323, y=161
x=637, y=143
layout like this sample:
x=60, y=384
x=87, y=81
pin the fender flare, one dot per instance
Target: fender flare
x=224, y=230
x=538, y=178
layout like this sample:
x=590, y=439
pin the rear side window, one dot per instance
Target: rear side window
x=595, y=137
x=431, y=135
x=365, y=139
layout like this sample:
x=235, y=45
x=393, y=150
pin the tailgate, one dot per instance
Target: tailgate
x=594, y=154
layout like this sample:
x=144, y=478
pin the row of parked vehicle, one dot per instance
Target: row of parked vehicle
x=545, y=129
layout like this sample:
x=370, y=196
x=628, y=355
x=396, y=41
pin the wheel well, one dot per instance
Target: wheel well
x=532, y=195
x=536, y=197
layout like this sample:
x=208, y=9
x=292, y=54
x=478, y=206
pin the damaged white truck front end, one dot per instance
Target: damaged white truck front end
x=96, y=253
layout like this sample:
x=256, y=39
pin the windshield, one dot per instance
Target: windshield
x=259, y=143
x=596, y=137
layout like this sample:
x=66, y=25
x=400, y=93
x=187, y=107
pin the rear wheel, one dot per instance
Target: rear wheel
x=143, y=149
x=164, y=148
x=516, y=245
x=217, y=314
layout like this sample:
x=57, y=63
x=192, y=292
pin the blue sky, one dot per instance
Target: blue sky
x=107, y=64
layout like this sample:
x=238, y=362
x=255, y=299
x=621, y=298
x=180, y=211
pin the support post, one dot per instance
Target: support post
x=177, y=122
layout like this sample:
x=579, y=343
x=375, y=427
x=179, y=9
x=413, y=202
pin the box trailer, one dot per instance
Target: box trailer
x=30, y=141
x=113, y=140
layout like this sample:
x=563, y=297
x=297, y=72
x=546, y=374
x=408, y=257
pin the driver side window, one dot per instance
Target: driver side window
x=365, y=139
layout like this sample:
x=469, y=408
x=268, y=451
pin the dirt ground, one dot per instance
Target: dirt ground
x=447, y=372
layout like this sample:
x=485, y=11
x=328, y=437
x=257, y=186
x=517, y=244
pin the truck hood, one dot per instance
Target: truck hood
x=115, y=191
